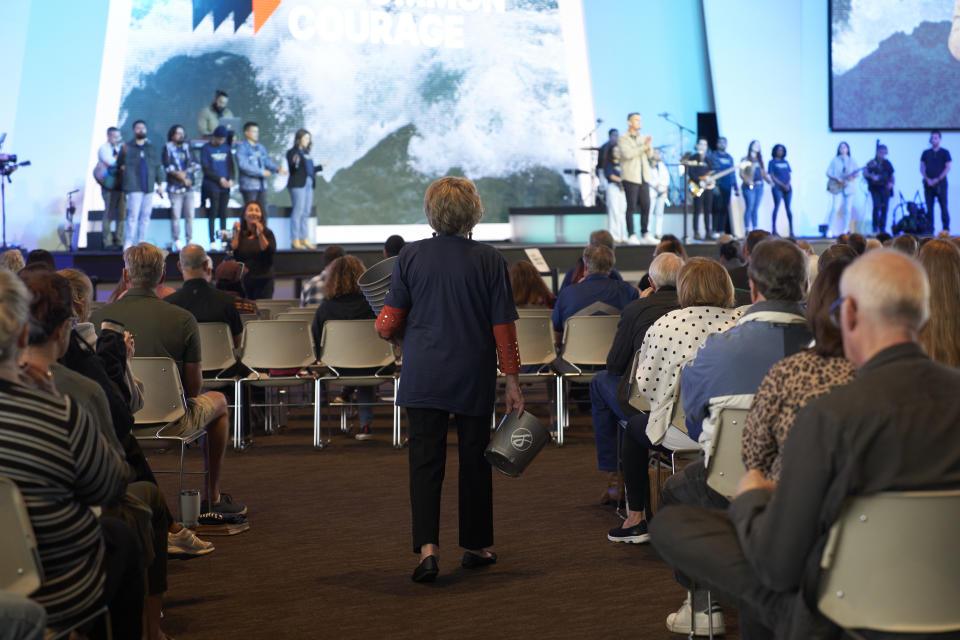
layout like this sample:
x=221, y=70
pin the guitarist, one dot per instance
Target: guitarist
x=779, y=171
x=698, y=166
x=879, y=175
x=841, y=173
x=107, y=175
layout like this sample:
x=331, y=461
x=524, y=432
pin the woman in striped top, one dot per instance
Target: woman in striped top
x=62, y=466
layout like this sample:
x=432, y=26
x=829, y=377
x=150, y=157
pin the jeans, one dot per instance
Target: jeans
x=215, y=203
x=751, y=197
x=181, y=203
x=881, y=204
x=606, y=415
x=657, y=203
x=616, y=211
x=260, y=197
x=112, y=212
x=778, y=195
x=721, y=210
x=302, y=200
x=428, y=454
x=21, y=618
x=139, y=210
x=938, y=192
x=638, y=199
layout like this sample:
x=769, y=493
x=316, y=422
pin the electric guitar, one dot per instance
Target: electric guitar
x=835, y=185
x=708, y=181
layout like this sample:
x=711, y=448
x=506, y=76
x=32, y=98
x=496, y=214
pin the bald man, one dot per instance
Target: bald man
x=893, y=427
x=199, y=297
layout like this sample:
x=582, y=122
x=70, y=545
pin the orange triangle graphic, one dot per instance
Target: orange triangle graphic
x=262, y=10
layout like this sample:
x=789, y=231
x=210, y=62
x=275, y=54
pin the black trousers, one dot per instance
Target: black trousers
x=215, y=203
x=638, y=198
x=721, y=210
x=124, y=584
x=938, y=192
x=635, y=458
x=703, y=208
x=428, y=457
x=881, y=204
x=258, y=288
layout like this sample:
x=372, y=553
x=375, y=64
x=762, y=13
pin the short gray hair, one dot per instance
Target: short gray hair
x=144, y=265
x=81, y=289
x=193, y=257
x=12, y=259
x=452, y=205
x=14, y=312
x=664, y=268
x=891, y=285
x=601, y=237
x=598, y=259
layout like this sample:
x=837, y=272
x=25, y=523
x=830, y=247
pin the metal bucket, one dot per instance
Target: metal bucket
x=516, y=443
x=375, y=283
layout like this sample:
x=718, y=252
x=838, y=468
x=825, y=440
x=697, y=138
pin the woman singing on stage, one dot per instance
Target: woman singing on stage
x=779, y=172
x=753, y=175
x=840, y=182
x=450, y=298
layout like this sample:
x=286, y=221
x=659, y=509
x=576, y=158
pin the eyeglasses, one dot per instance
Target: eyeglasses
x=834, y=311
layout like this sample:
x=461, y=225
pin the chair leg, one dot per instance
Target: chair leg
x=183, y=450
x=317, y=436
x=559, y=411
x=237, y=387
x=396, y=414
x=709, y=615
x=693, y=614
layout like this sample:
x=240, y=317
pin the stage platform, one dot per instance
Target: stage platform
x=294, y=267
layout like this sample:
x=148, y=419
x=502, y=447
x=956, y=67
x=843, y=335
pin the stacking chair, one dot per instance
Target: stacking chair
x=247, y=317
x=274, y=344
x=534, y=312
x=535, y=343
x=299, y=314
x=891, y=565
x=725, y=455
x=20, y=569
x=276, y=305
x=586, y=342
x=164, y=405
x=216, y=348
x=354, y=344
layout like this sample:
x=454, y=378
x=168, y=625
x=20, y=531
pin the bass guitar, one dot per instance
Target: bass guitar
x=836, y=185
x=707, y=182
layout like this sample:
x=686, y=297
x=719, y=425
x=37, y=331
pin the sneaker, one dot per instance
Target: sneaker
x=186, y=543
x=649, y=239
x=637, y=534
x=633, y=239
x=364, y=433
x=215, y=246
x=225, y=506
x=679, y=622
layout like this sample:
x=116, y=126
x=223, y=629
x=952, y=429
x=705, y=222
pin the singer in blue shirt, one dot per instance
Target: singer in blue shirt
x=779, y=171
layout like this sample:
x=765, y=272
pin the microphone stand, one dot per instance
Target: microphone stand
x=682, y=169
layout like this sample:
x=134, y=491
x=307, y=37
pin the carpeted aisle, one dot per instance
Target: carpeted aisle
x=329, y=555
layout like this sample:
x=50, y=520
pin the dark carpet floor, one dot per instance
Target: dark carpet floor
x=328, y=554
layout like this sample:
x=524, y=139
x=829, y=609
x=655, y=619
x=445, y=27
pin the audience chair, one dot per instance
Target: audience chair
x=247, y=317
x=725, y=453
x=354, y=344
x=303, y=315
x=535, y=343
x=891, y=565
x=586, y=342
x=534, y=312
x=277, y=305
x=274, y=345
x=21, y=571
x=164, y=404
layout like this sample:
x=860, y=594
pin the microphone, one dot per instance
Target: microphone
x=73, y=192
x=663, y=115
x=599, y=120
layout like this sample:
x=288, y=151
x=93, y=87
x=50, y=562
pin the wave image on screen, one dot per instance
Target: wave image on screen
x=894, y=64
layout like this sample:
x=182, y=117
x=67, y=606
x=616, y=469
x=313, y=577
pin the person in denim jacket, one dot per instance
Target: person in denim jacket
x=255, y=167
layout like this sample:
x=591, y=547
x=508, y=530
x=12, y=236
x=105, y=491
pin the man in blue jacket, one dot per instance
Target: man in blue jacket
x=255, y=167
x=216, y=161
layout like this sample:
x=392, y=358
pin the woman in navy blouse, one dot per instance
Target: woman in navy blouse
x=451, y=299
x=779, y=171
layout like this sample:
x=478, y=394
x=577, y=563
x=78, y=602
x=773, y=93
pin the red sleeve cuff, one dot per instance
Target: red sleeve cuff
x=508, y=352
x=390, y=321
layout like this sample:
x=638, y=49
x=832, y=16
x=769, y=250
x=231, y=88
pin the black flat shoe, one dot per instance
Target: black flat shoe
x=427, y=570
x=475, y=561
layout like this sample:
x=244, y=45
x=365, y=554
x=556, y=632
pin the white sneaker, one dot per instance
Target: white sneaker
x=215, y=246
x=185, y=543
x=679, y=622
x=633, y=239
x=648, y=238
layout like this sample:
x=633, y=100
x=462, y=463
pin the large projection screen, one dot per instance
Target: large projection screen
x=894, y=64
x=395, y=93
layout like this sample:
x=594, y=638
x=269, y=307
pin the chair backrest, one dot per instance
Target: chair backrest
x=353, y=344
x=587, y=339
x=678, y=418
x=635, y=398
x=216, y=346
x=725, y=466
x=535, y=340
x=302, y=315
x=277, y=344
x=891, y=563
x=247, y=317
x=163, y=399
x=534, y=312
x=20, y=568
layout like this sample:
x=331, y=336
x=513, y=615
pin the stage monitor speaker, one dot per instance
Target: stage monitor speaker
x=707, y=128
